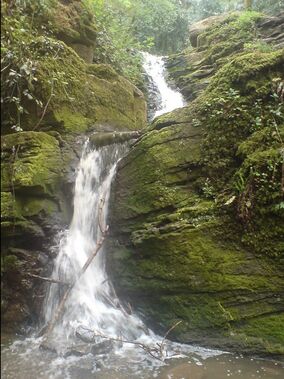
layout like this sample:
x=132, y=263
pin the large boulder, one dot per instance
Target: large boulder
x=199, y=27
x=198, y=213
x=74, y=24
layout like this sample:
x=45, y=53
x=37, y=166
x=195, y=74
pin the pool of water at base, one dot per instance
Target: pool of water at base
x=25, y=360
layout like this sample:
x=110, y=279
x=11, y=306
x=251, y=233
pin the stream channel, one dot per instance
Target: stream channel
x=93, y=312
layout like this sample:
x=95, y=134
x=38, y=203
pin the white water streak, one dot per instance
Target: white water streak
x=87, y=303
x=155, y=68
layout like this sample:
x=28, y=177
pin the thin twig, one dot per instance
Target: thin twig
x=168, y=332
x=4, y=68
x=153, y=351
x=51, y=280
x=156, y=352
x=45, y=109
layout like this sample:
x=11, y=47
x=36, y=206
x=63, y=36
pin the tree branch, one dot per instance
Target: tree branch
x=51, y=280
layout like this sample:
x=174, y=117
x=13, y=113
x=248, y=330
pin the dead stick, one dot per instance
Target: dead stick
x=45, y=109
x=51, y=280
x=153, y=351
x=167, y=333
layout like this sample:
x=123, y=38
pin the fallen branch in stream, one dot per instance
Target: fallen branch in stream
x=60, y=308
x=50, y=280
x=156, y=351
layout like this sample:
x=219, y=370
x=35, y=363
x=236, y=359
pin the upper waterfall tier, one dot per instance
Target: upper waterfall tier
x=170, y=98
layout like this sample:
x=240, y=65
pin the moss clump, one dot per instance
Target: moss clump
x=218, y=44
x=229, y=37
x=267, y=328
x=73, y=122
x=8, y=263
x=31, y=180
x=30, y=160
x=103, y=71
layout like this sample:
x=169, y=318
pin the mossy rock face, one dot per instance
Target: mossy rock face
x=64, y=93
x=30, y=160
x=35, y=196
x=33, y=176
x=245, y=32
x=197, y=215
x=66, y=82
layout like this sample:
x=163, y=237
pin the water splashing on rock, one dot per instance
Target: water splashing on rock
x=168, y=98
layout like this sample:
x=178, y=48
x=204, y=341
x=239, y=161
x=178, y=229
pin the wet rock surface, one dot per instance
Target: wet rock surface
x=198, y=243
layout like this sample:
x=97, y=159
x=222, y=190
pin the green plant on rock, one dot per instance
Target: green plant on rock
x=20, y=60
x=258, y=46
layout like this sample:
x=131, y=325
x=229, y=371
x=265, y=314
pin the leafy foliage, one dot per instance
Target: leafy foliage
x=200, y=9
x=116, y=44
x=21, y=25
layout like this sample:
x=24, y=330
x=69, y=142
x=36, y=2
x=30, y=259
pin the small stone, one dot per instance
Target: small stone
x=102, y=347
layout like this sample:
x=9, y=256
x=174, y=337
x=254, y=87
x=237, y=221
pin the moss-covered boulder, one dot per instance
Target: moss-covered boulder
x=74, y=24
x=198, y=212
x=60, y=87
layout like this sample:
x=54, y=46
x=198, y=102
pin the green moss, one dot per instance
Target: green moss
x=103, y=71
x=64, y=82
x=270, y=328
x=8, y=205
x=72, y=121
x=31, y=175
x=245, y=67
x=8, y=263
x=31, y=160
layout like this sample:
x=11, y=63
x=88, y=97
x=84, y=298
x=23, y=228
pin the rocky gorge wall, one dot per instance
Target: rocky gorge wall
x=198, y=204
x=53, y=98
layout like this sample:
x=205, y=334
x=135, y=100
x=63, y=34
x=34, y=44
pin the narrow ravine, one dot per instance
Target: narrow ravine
x=93, y=306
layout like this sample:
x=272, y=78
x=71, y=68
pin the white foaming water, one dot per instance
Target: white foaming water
x=155, y=68
x=92, y=303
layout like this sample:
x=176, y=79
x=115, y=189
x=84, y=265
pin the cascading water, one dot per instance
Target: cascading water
x=170, y=98
x=93, y=305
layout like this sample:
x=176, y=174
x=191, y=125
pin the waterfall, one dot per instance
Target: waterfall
x=170, y=98
x=92, y=302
